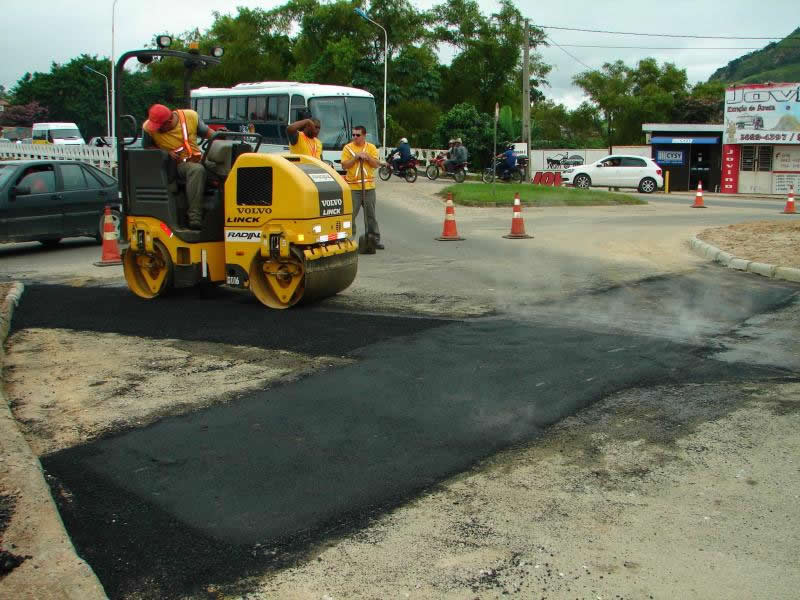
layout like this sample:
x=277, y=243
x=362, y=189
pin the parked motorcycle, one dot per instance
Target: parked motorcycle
x=408, y=170
x=436, y=168
x=515, y=175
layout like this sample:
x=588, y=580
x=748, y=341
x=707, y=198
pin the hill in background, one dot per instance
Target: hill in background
x=777, y=61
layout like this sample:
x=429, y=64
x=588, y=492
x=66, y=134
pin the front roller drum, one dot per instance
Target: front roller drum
x=149, y=275
x=283, y=283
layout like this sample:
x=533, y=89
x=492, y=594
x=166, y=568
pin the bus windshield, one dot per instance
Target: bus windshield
x=338, y=115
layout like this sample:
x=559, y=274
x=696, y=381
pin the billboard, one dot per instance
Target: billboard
x=767, y=113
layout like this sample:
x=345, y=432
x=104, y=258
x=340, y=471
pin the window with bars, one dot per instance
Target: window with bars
x=756, y=158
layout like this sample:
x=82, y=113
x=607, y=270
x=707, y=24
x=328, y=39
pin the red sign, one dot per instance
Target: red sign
x=547, y=178
x=730, y=168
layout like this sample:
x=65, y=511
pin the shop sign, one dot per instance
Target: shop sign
x=762, y=114
x=547, y=178
x=669, y=157
x=785, y=169
x=730, y=169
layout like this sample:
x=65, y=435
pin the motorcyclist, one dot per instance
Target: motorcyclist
x=458, y=156
x=403, y=151
x=509, y=161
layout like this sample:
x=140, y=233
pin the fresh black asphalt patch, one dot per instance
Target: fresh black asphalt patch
x=236, y=489
x=225, y=317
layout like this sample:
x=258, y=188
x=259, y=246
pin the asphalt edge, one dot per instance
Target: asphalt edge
x=727, y=259
x=52, y=568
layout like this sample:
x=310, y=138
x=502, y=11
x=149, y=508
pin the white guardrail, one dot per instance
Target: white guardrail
x=106, y=158
x=102, y=158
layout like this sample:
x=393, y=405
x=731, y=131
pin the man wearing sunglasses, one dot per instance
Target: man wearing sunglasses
x=360, y=159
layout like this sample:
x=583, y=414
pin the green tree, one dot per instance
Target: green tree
x=23, y=115
x=487, y=67
x=475, y=129
x=630, y=96
x=71, y=94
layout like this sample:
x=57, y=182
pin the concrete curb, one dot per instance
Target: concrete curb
x=52, y=569
x=727, y=259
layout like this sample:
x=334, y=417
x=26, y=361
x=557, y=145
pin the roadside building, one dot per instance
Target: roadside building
x=761, y=138
x=690, y=152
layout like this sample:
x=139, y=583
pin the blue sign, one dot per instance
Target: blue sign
x=683, y=140
x=669, y=157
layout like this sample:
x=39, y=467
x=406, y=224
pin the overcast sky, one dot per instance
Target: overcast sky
x=44, y=31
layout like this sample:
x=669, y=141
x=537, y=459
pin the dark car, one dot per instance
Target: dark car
x=44, y=201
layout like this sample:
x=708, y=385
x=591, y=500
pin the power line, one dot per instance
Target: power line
x=669, y=35
x=666, y=47
x=568, y=53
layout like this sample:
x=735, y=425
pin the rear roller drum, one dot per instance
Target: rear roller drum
x=149, y=275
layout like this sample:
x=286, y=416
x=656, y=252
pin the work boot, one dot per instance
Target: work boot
x=380, y=246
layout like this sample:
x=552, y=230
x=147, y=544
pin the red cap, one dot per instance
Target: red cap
x=156, y=117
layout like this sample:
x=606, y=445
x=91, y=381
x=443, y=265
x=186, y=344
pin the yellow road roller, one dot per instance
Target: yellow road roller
x=279, y=225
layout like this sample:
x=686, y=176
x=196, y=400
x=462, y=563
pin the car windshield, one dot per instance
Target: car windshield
x=64, y=134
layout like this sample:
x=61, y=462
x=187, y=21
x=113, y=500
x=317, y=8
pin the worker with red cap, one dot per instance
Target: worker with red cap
x=176, y=131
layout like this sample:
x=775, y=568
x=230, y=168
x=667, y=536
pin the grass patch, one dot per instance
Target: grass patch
x=480, y=194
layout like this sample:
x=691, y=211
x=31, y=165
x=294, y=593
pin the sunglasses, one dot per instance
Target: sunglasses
x=356, y=134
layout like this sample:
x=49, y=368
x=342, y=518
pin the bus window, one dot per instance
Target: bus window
x=257, y=108
x=237, y=109
x=204, y=108
x=335, y=132
x=298, y=105
x=219, y=108
x=361, y=111
x=277, y=108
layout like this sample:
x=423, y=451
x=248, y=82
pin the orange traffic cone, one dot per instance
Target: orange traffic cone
x=110, y=254
x=449, y=231
x=789, y=209
x=517, y=224
x=698, y=199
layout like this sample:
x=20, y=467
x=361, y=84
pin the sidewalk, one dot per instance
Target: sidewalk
x=33, y=532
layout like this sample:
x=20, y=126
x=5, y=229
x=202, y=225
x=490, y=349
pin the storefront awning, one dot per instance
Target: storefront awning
x=683, y=140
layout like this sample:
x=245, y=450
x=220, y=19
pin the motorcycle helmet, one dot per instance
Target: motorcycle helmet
x=403, y=140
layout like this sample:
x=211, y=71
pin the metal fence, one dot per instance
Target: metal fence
x=106, y=158
x=102, y=158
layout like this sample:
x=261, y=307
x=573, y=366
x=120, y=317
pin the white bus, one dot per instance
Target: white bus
x=269, y=106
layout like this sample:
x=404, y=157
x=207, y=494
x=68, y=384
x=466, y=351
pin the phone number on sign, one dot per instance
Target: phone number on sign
x=767, y=137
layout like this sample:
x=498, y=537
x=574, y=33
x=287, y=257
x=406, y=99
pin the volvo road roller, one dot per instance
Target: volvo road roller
x=279, y=225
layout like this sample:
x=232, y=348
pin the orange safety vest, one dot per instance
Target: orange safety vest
x=192, y=154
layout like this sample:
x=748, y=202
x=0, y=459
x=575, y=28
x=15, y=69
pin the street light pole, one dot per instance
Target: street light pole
x=364, y=16
x=108, y=113
x=113, y=116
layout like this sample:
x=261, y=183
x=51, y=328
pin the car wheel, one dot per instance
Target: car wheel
x=384, y=173
x=647, y=185
x=411, y=174
x=582, y=181
x=459, y=176
x=432, y=172
x=116, y=219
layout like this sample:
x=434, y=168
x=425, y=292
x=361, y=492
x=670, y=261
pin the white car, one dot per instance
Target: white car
x=617, y=170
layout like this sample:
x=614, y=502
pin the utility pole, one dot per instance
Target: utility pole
x=526, y=97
